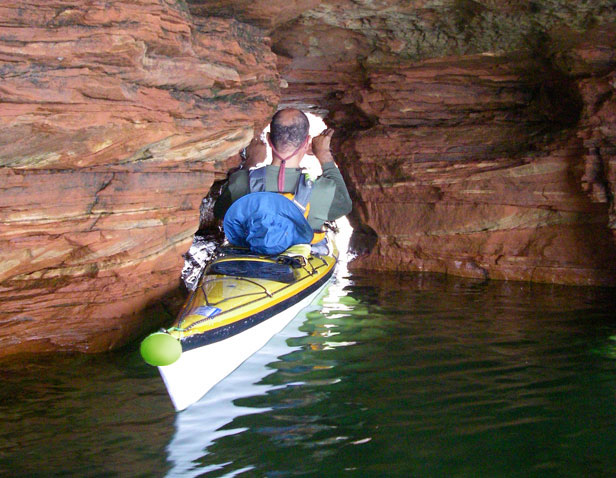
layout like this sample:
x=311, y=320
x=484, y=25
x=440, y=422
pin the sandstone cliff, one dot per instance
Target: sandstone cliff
x=115, y=119
x=477, y=138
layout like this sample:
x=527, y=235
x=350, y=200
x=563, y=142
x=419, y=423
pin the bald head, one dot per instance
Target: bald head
x=289, y=129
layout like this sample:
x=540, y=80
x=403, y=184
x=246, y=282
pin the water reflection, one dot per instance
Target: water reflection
x=391, y=375
x=80, y=416
x=430, y=375
x=201, y=424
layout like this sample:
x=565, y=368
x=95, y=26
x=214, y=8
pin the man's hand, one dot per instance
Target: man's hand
x=320, y=146
x=256, y=153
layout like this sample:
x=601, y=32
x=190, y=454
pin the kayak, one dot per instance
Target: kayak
x=241, y=301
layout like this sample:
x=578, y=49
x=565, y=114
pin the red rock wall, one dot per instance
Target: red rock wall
x=470, y=152
x=485, y=167
x=115, y=118
x=477, y=138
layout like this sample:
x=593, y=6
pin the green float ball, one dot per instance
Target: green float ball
x=160, y=349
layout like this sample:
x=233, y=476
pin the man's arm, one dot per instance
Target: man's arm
x=334, y=196
x=236, y=187
x=341, y=201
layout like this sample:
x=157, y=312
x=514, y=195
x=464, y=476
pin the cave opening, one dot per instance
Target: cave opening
x=312, y=166
x=210, y=232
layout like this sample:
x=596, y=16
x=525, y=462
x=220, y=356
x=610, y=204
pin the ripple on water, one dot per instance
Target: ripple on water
x=416, y=375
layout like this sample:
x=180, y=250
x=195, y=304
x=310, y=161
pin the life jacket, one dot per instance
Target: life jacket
x=301, y=196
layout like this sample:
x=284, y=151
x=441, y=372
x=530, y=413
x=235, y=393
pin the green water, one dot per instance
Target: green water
x=393, y=376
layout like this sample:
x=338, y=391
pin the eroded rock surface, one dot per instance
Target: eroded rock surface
x=115, y=119
x=496, y=190
x=477, y=138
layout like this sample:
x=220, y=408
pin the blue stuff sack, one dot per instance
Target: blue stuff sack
x=268, y=223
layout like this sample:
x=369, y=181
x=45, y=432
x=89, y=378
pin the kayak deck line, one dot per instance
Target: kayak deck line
x=236, y=308
x=198, y=370
x=232, y=314
x=240, y=325
x=179, y=328
x=252, y=281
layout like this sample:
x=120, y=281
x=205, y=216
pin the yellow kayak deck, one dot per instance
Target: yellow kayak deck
x=239, y=290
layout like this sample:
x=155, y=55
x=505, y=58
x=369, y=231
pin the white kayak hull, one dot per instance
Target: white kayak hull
x=198, y=370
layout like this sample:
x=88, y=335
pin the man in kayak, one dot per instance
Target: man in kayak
x=324, y=199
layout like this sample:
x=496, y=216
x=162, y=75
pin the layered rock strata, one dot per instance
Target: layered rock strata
x=468, y=153
x=115, y=119
x=476, y=168
x=477, y=138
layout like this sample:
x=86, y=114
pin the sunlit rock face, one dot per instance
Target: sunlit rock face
x=115, y=118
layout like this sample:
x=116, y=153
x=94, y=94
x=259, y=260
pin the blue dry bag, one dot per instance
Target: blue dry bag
x=267, y=223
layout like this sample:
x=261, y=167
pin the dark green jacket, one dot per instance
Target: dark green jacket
x=329, y=201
